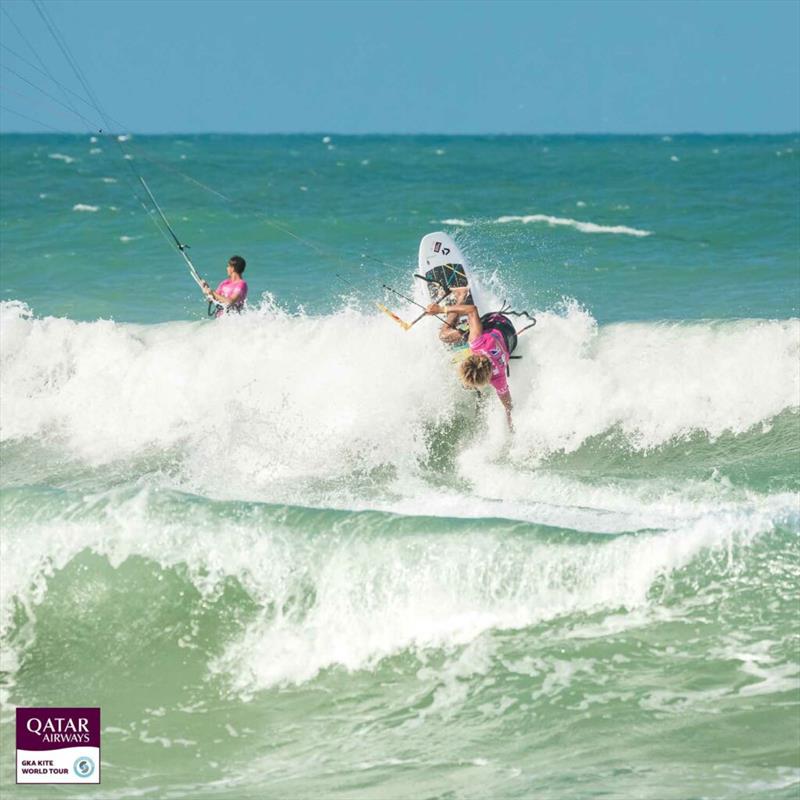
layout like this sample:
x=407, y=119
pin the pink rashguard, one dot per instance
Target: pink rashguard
x=491, y=343
x=229, y=288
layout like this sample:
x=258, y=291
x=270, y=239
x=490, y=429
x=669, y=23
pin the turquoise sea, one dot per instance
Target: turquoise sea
x=290, y=557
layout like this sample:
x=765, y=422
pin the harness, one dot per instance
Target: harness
x=501, y=329
x=500, y=323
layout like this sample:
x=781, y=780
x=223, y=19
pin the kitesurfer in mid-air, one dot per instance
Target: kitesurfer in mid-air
x=232, y=292
x=489, y=344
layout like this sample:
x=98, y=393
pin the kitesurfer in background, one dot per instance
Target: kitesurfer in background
x=232, y=292
x=489, y=344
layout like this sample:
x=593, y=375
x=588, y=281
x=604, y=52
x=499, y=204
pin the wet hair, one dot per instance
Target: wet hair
x=238, y=264
x=476, y=370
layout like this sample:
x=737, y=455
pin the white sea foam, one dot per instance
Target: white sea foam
x=84, y=207
x=113, y=388
x=655, y=381
x=583, y=227
x=306, y=403
x=370, y=592
x=457, y=222
x=309, y=402
x=62, y=157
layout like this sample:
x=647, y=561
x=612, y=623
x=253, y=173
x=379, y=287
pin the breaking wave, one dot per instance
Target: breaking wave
x=583, y=227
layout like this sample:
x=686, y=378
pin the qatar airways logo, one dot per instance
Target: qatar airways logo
x=58, y=745
x=60, y=729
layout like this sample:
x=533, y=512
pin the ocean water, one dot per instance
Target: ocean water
x=289, y=556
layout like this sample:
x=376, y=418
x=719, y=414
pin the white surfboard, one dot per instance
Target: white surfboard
x=443, y=264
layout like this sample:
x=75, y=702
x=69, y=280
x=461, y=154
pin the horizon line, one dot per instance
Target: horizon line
x=397, y=133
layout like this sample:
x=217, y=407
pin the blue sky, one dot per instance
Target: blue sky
x=409, y=67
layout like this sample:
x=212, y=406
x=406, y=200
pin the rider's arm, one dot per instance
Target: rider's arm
x=505, y=399
x=470, y=312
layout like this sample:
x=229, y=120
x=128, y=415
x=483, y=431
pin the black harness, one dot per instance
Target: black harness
x=495, y=321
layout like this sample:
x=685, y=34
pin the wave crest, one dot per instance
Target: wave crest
x=312, y=392
x=553, y=222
